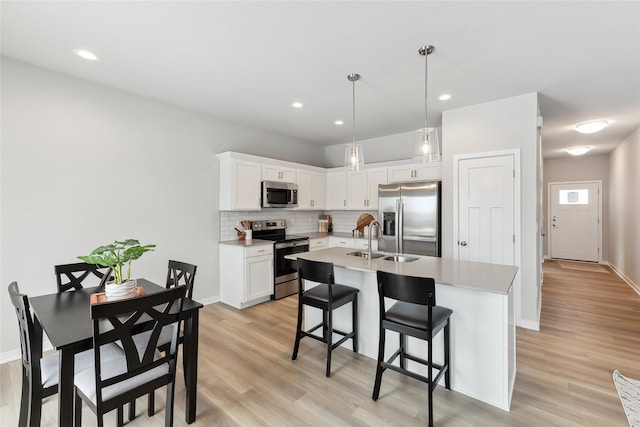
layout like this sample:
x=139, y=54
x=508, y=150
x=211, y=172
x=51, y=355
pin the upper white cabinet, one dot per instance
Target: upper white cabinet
x=415, y=172
x=311, y=190
x=278, y=173
x=239, y=184
x=336, y=191
x=362, y=188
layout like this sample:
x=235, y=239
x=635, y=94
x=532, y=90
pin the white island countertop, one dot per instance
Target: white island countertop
x=495, y=278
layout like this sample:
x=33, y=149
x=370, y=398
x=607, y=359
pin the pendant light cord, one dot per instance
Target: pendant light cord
x=426, y=58
x=353, y=133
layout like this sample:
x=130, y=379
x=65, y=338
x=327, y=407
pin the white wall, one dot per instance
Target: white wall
x=624, y=205
x=500, y=125
x=84, y=164
x=581, y=168
x=383, y=149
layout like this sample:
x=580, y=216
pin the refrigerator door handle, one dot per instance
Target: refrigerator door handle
x=400, y=226
x=397, y=224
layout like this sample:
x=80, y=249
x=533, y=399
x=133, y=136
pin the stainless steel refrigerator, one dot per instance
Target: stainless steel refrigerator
x=409, y=214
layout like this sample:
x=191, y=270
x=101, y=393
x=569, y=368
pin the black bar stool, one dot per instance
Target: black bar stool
x=327, y=296
x=414, y=314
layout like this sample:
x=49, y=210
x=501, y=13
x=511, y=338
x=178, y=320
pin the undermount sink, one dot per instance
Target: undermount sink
x=365, y=254
x=400, y=258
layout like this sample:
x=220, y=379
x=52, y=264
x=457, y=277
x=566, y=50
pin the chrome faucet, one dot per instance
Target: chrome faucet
x=371, y=225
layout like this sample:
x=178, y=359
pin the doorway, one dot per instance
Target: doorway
x=575, y=229
x=486, y=208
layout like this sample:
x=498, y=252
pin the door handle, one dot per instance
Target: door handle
x=463, y=243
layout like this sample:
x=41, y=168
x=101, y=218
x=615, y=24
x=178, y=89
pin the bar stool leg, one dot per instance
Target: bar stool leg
x=379, y=369
x=446, y=357
x=329, y=338
x=296, y=346
x=354, y=314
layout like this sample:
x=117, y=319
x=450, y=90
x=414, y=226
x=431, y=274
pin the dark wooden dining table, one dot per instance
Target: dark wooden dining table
x=65, y=318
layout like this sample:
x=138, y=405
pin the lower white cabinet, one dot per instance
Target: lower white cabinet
x=353, y=242
x=319, y=243
x=246, y=274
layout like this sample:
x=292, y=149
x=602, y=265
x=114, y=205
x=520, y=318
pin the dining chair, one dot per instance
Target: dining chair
x=327, y=296
x=181, y=273
x=178, y=274
x=414, y=313
x=141, y=369
x=39, y=374
x=73, y=276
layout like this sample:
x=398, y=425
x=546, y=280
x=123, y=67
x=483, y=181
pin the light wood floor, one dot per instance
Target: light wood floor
x=590, y=326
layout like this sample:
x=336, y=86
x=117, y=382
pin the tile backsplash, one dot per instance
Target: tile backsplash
x=297, y=221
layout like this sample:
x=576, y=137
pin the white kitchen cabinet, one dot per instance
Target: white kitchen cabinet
x=364, y=244
x=362, y=188
x=342, y=242
x=319, y=243
x=353, y=242
x=336, y=191
x=415, y=172
x=239, y=185
x=357, y=190
x=311, y=190
x=278, y=173
x=246, y=274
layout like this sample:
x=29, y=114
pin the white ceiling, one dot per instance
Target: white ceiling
x=248, y=61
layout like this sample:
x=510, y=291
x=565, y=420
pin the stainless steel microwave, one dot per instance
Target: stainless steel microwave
x=279, y=194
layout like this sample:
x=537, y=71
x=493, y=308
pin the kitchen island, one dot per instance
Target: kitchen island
x=483, y=352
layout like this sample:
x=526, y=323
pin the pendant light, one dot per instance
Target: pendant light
x=427, y=144
x=353, y=155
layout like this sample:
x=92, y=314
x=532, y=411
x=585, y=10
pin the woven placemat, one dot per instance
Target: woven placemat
x=629, y=392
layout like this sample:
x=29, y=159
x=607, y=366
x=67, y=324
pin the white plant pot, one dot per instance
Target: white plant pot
x=123, y=290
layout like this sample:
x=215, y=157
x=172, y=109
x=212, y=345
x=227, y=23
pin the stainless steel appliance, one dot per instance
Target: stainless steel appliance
x=410, y=216
x=279, y=194
x=285, y=270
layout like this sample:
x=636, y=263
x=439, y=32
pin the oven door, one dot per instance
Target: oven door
x=286, y=269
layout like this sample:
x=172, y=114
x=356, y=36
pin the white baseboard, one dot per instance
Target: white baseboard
x=529, y=324
x=211, y=300
x=628, y=281
x=10, y=356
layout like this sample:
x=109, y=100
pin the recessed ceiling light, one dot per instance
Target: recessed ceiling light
x=591, y=127
x=444, y=97
x=297, y=105
x=578, y=150
x=82, y=53
x=338, y=122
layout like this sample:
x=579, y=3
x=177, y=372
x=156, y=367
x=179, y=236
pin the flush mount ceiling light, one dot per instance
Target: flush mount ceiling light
x=445, y=97
x=297, y=105
x=591, y=127
x=576, y=151
x=427, y=145
x=353, y=155
x=86, y=54
x=338, y=122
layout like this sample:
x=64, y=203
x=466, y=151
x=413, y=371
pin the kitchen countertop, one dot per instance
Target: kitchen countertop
x=310, y=235
x=494, y=278
x=252, y=242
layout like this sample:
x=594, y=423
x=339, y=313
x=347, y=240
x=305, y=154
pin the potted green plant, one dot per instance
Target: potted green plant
x=116, y=255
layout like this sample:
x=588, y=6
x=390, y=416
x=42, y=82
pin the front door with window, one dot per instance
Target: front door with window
x=574, y=221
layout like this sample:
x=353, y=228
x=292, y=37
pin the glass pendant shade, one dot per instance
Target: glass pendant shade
x=353, y=157
x=427, y=145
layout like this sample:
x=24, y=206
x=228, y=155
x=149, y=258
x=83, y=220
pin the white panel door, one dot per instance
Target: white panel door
x=486, y=209
x=574, y=224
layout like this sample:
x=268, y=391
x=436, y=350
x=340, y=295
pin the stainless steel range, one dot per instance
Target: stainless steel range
x=285, y=271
